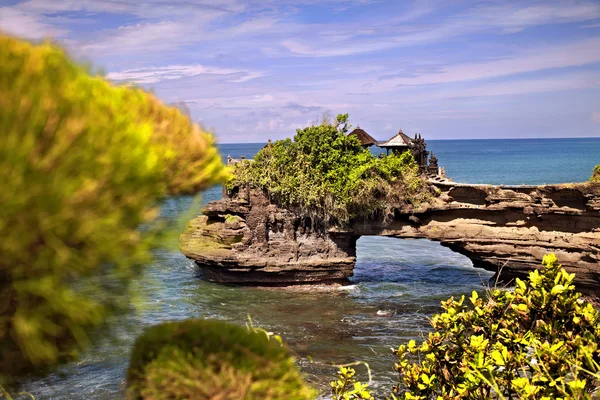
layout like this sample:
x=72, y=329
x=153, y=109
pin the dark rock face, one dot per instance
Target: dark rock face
x=245, y=238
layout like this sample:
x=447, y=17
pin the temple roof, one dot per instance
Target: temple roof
x=363, y=137
x=398, y=140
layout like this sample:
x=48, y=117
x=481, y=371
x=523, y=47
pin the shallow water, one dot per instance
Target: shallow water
x=389, y=301
x=397, y=285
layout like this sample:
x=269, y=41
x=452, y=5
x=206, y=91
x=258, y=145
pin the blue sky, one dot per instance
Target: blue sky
x=254, y=70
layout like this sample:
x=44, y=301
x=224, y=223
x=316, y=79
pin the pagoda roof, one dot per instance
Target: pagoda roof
x=398, y=140
x=363, y=137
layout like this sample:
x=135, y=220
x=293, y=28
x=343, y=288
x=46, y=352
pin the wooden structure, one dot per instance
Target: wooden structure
x=399, y=143
x=364, y=138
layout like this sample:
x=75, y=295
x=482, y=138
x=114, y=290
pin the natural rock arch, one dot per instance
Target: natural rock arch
x=245, y=238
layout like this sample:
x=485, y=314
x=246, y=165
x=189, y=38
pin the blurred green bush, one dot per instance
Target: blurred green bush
x=199, y=359
x=82, y=164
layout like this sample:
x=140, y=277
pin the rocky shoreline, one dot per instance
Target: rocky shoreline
x=247, y=239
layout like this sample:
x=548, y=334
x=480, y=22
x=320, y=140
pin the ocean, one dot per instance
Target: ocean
x=397, y=284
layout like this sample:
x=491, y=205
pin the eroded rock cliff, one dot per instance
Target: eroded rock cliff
x=245, y=238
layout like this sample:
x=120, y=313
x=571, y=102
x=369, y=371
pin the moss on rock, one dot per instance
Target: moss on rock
x=200, y=359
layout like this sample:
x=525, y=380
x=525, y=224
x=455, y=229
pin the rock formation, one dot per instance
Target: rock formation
x=245, y=238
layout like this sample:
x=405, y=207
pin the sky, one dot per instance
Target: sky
x=250, y=71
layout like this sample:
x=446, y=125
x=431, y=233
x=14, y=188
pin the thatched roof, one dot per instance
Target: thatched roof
x=363, y=137
x=397, y=141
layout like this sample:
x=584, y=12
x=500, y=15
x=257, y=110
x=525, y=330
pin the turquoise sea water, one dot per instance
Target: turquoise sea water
x=515, y=162
x=397, y=284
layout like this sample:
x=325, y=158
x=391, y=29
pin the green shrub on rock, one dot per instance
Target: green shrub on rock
x=325, y=172
x=596, y=174
x=82, y=164
x=539, y=342
x=199, y=359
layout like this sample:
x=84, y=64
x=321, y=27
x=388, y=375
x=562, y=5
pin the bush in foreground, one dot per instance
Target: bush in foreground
x=596, y=174
x=82, y=164
x=538, y=342
x=325, y=172
x=198, y=359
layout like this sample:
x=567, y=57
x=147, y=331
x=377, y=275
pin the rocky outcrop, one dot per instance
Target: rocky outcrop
x=244, y=238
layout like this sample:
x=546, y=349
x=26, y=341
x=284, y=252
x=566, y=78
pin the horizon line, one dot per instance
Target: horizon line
x=447, y=140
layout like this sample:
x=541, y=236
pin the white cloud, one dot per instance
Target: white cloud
x=304, y=49
x=276, y=125
x=509, y=18
x=518, y=19
x=26, y=25
x=569, y=55
x=595, y=117
x=573, y=81
x=140, y=8
x=246, y=76
x=457, y=114
x=52, y=6
x=263, y=98
x=139, y=38
x=157, y=74
x=359, y=69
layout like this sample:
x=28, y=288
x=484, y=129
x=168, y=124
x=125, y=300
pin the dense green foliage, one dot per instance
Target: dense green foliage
x=199, y=359
x=596, y=174
x=539, y=342
x=325, y=172
x=82, y=164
